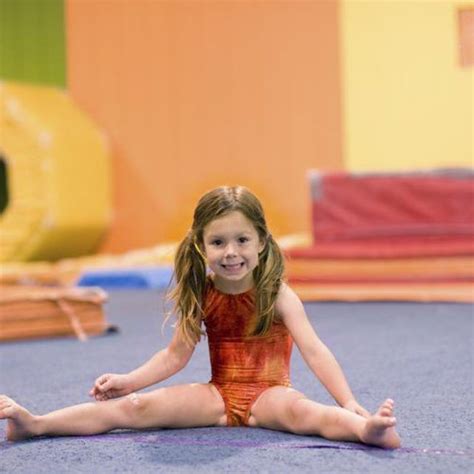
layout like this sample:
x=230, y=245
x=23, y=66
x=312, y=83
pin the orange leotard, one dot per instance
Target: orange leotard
x=243, y=366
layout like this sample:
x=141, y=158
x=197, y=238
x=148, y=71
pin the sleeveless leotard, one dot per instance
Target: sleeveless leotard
x=243, y=366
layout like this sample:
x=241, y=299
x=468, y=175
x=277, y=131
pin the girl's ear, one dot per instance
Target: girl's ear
x=261, y=246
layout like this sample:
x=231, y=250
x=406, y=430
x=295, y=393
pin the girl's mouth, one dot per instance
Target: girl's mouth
x=233, y=266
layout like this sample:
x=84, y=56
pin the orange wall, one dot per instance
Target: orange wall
x=198, y=94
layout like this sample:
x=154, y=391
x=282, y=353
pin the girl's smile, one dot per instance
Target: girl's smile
x=231, y=246
x=233, y=267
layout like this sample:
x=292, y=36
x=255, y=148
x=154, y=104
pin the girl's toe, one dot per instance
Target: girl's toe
x=392, y=421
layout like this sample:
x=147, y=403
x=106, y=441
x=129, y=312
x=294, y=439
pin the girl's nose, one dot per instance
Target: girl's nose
x=230, y=250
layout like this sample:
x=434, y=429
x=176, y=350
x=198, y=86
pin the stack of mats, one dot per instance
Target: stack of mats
x=38, y=299
x=35, y=312
x=392, y=236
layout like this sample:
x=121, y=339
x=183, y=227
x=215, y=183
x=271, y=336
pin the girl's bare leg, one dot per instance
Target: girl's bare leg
x=171, y=407
x=285, y=409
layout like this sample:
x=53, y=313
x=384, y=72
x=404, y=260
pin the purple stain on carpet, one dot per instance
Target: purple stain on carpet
x=188, y=441
x=235, y=443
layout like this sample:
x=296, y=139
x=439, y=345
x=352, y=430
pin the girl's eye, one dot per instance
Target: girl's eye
x=216, y=242
x=242, y=240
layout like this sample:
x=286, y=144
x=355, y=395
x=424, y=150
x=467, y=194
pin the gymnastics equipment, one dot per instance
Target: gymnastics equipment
x=388, y=236
x=393, y=214
x=128, y=278
x=54, y=176
x=67, y=272
x=36, y=312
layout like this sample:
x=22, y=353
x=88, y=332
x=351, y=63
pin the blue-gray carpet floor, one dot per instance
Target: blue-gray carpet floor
x=421, y=355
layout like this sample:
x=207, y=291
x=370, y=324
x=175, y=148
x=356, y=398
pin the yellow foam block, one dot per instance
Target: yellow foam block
x=57, y=176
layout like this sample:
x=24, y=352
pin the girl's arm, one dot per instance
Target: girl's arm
x=162, y=365
x=315, y=353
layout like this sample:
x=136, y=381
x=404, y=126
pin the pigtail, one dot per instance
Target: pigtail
x=188, y=293
x=268, y=277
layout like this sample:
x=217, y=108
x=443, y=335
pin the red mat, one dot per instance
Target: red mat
x=402, y=229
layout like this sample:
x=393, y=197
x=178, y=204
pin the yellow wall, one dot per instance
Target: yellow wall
x=408, y=104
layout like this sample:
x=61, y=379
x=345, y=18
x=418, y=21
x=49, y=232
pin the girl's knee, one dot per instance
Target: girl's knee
x=132, y=408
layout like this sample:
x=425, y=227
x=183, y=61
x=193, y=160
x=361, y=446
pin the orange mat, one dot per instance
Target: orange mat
x=397, y=279
x=395, y=269
x=35, y=312
x=357, y=292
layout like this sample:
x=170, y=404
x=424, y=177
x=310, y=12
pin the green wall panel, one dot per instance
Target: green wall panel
x=32, y=41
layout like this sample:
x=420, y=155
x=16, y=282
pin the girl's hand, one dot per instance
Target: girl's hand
x=353, y=406
x=111, y=386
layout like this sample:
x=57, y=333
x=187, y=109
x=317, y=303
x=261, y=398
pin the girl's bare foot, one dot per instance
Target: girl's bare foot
x=380, y=428
x=20, y=422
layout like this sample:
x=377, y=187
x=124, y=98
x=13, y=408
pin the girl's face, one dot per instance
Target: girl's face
x=231, y=246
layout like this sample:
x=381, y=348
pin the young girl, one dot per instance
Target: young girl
x=228, y=273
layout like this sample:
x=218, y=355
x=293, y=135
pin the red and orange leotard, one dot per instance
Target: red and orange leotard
x=243, y=366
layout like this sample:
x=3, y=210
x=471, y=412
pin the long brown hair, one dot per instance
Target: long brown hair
x=190, y=265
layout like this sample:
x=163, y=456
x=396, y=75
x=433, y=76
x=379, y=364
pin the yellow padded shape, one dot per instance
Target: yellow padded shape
x=57, y=176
